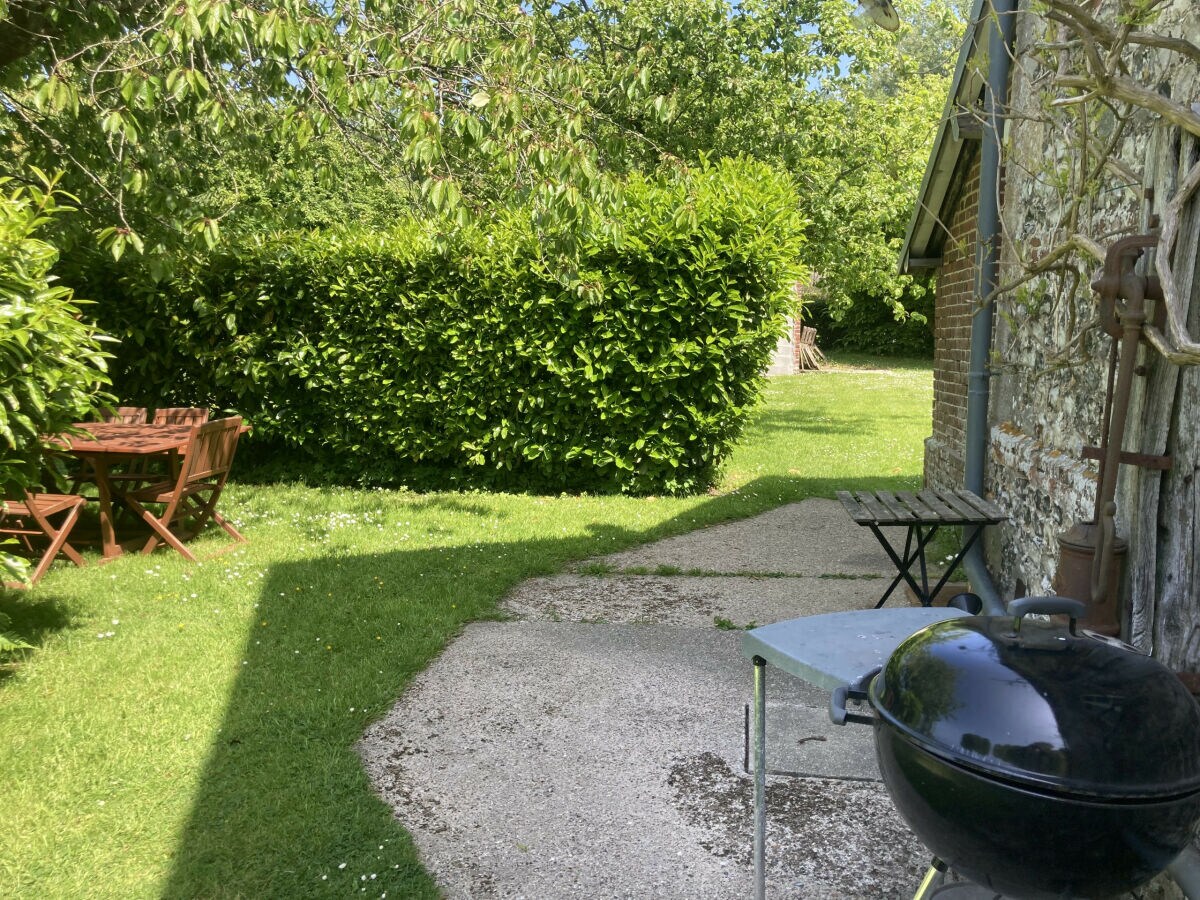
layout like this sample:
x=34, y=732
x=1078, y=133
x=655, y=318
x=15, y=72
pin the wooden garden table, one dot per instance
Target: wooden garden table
x=922, y=513
x=106, y=443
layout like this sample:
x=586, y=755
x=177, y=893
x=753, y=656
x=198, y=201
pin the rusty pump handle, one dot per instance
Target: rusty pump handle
x=1123, y=320
x=1117, y=280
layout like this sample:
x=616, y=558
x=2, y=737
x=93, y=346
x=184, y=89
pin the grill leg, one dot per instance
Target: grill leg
x=1186, y=872
x=760, y=778
x=933, y=880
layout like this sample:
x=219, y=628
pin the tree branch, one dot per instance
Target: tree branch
x=1176, y=345
x=1166, y=42
x=1131, y=92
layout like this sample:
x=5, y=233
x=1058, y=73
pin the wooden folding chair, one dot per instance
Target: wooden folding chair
x=189, y=501
x=171, y=415
x=180, y=415
x=28, y=520
x=808, y=354
x=130, y=415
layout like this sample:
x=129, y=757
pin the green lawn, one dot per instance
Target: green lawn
x=188, y=731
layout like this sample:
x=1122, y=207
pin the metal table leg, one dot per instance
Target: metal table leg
x=969, y=538
x=904, y=564
x=760, y=778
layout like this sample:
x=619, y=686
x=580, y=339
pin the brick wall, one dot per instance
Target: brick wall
x=952, y=334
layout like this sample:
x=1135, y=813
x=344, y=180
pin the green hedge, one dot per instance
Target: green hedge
x=391, y=357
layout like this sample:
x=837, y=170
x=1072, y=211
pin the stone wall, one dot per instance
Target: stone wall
x=783, y=360
x=786, y=358
x=1044, y=490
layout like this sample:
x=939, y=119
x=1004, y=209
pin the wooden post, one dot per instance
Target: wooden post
x=1164, y=556
x=1151, y=403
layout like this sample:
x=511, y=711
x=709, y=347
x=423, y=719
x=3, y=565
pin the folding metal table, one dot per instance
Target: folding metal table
x=830, y=651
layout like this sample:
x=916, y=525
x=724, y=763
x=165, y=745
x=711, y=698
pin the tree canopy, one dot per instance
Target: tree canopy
x=848, y=110
x=172, y=119
x=127, y=97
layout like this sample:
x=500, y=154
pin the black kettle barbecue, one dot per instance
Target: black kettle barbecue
x=1033, y=758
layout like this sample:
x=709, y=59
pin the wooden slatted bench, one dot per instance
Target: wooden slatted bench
x=808, y=355
x=922, y=513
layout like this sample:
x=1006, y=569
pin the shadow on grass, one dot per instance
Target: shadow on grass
x=284, y=800
x=33, y=619
x=802, y=422
x=456, y=503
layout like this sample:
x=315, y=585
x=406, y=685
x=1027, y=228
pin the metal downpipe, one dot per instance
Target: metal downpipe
x=1000, y=46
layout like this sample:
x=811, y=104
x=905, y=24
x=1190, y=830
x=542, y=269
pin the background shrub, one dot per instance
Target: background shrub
x=483, y=360
x=870, y=326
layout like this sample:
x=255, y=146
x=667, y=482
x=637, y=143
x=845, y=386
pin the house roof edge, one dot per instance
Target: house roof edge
x=917, y=251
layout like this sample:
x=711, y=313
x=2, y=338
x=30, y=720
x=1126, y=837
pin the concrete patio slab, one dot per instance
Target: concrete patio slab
x=802, y=742
x=556, y=760
x=698, y=602
x=593, y=746
x=812, y=537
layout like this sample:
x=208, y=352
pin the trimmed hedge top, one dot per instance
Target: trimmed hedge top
x=392, y=358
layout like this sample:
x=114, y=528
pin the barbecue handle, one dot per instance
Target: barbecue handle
x=1046, y=606
x=838, y=714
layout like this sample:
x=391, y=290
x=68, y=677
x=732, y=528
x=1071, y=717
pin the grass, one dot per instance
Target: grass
x=189, y=731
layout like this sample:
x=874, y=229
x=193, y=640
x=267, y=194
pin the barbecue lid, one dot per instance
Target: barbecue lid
x=1044, y=704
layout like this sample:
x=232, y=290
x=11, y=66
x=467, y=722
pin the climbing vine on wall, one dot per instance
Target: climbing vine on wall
x=1092, y=81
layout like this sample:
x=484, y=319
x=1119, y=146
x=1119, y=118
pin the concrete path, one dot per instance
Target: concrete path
x=593, y=746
